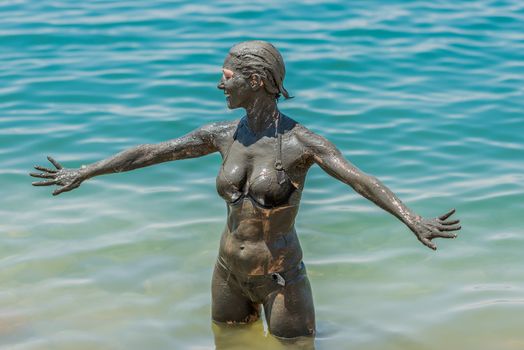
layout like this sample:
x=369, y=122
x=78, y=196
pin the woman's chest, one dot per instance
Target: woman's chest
x=262, y=159
x=266, y=171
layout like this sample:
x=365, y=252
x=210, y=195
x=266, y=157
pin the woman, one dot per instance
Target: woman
x=266, y=156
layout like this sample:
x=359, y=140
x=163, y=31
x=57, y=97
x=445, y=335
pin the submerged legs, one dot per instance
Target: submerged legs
x=289, y=308
x=290, y=312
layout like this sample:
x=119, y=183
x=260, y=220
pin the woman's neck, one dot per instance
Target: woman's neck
x=261, y=115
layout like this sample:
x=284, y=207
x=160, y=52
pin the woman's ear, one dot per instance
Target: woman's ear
x=256, y=81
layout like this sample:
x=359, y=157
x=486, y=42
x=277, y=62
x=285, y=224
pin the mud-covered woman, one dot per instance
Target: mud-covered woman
x=265, y=158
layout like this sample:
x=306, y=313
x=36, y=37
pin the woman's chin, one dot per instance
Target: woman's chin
x=230, y=105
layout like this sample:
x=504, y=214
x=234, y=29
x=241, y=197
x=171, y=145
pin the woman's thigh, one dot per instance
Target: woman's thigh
x=289, y=311
x=228, y=304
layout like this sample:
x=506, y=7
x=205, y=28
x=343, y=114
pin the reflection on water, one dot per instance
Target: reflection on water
x=254, y=337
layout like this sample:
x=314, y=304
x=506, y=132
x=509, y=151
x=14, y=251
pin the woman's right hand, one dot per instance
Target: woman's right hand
x=69, y=179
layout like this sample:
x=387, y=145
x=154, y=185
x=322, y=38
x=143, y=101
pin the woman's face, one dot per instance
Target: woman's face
x=237, y=89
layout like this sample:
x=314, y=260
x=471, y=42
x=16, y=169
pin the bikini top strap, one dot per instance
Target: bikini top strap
x=278, y=162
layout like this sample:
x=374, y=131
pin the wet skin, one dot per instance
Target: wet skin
x=259, y=237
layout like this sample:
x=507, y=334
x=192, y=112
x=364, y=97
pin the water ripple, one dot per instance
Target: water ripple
x=427, y=96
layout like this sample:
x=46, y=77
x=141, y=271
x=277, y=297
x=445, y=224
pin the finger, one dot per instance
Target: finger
x=452, y=222
x=63, y=189
x=428, y=243
x=41, y=168
x=60, y=190
x=445, y=235
x=42, y=175
x=44, y=183
x=55, y=163
x=447, y=215
x=450, y=228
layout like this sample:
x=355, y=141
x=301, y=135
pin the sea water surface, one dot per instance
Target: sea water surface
x=426, y=96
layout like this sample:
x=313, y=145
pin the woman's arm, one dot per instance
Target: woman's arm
x=329, y=158
x=198, y=143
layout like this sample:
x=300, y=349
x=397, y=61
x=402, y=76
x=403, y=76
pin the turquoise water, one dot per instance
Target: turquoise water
x=427, y=96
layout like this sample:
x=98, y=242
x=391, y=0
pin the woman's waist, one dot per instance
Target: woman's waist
x=248, y=255
x=286, y=273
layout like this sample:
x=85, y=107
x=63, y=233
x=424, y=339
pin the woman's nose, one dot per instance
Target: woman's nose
x=220, y=84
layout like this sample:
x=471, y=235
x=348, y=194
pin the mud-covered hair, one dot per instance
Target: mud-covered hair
x=262, y=58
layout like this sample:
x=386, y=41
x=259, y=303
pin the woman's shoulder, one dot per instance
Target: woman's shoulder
x=298, y=130
x=221, y=128
x=220, y=132
x=308, y=140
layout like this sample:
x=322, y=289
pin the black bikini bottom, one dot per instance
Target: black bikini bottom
x=258, y=287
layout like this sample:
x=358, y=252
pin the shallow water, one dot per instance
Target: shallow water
x=427, y=97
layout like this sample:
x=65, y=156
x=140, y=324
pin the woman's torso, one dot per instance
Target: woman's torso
x=262, y=198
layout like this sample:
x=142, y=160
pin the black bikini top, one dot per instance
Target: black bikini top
x=268, y=185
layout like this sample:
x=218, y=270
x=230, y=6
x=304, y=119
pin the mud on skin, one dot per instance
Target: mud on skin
x=265, y=159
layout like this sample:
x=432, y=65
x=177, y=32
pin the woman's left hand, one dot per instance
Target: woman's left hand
x=440, y=227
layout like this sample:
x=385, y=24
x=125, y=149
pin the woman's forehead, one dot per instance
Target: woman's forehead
x=231, y=61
